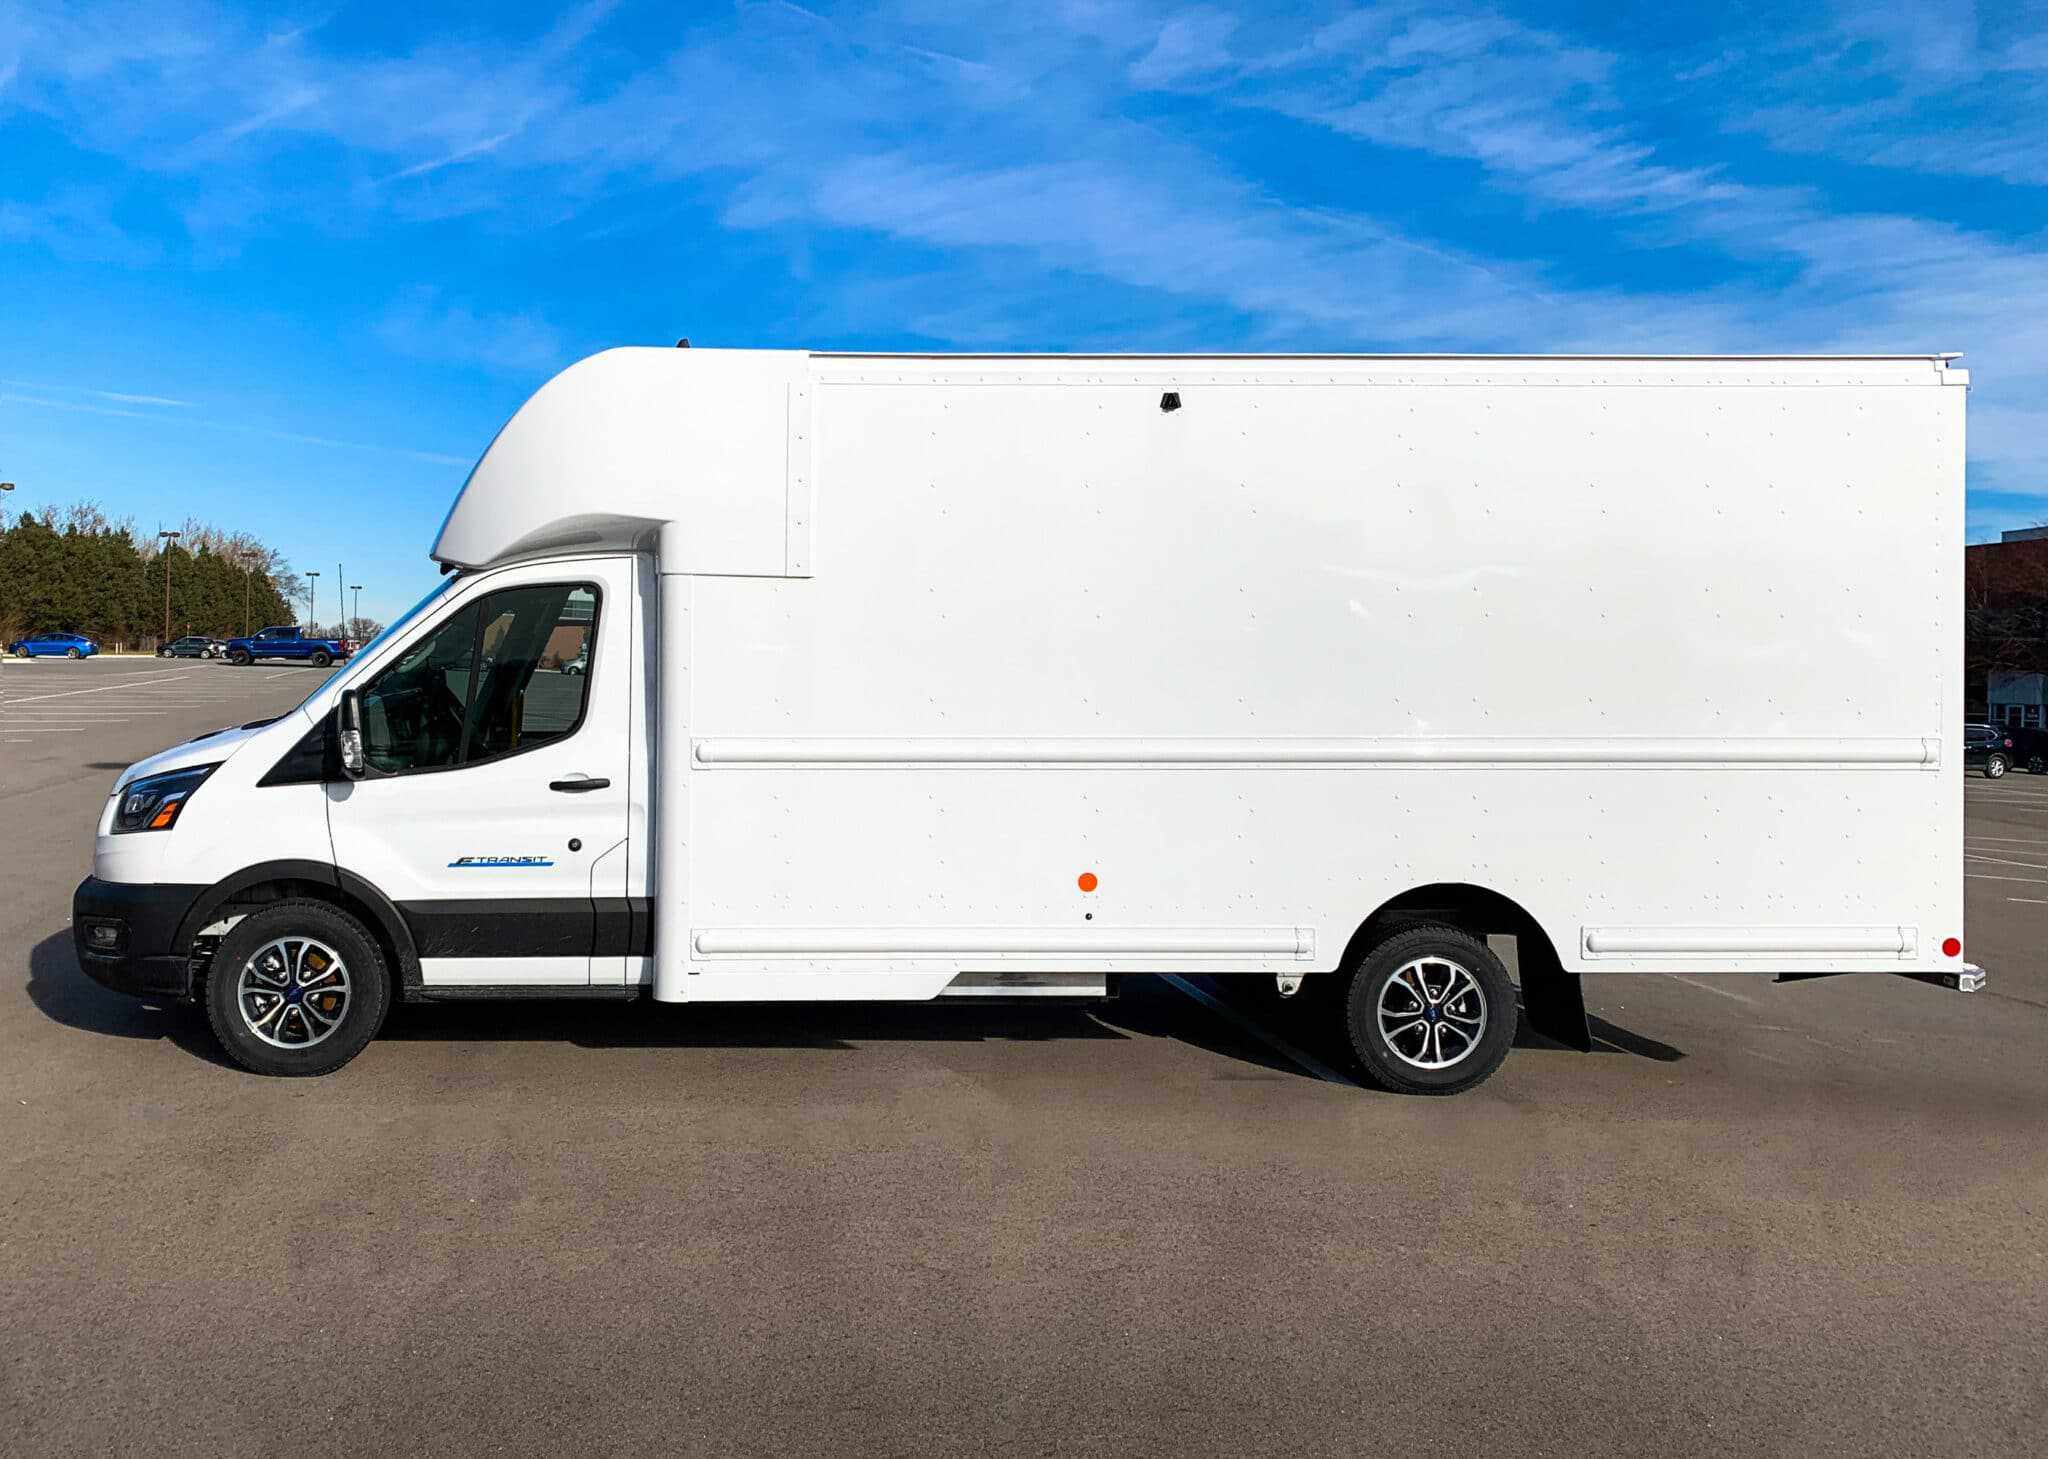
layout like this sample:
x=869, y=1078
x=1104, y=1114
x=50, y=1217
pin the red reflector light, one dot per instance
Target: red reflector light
x=1951, y=947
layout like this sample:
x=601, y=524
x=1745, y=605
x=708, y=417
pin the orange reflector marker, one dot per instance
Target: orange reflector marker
x=1087, y=882
x=164, y=817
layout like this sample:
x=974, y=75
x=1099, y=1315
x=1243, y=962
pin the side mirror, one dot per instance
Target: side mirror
x=348, y=721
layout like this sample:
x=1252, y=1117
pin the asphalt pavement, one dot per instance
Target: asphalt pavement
x=1759, y=1219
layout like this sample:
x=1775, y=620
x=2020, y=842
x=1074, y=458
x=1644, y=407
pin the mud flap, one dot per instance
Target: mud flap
x=1553, y=1003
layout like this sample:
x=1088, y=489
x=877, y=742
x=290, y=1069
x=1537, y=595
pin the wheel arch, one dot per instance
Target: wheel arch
x=1551, y=997
x=1465, y=905
x=276, y=881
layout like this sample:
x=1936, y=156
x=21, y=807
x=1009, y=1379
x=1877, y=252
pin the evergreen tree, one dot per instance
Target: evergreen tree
x=81, y=571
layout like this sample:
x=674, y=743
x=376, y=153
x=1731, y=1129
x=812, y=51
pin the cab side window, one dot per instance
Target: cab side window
x=487, y=683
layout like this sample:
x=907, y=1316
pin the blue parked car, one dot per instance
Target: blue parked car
x=53, y=645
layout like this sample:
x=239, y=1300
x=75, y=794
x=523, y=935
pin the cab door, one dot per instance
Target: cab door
x=497, y=744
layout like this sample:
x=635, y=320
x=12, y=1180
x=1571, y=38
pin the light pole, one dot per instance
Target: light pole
x=167, y=538
x=311, y=611
x=355, y=626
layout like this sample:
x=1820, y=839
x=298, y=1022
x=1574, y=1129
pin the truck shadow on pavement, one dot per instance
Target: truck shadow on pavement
x=1148, y=1009
x=65, y=995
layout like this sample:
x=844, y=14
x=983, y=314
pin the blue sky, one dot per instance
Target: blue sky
x=289, y=269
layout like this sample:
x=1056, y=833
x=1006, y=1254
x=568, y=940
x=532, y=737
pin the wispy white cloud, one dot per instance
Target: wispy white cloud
x=73, y=223
x=1005, y=155
x=1190, y=45
x=1942, y=89
x=141, y=399
x=237, y=427
x=460, y=154
x=1545, y=118
x=422, y=325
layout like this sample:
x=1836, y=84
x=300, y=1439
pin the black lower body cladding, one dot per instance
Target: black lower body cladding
x=124, y=934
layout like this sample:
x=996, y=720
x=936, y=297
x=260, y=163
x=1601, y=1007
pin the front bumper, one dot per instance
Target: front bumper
x=125, y=935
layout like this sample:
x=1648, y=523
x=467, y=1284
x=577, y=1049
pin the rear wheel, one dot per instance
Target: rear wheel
x=238, y=657
x=296, y=988
x=1430, y=1011
x=322, y=658
x=1995, y=765
x=72, y=653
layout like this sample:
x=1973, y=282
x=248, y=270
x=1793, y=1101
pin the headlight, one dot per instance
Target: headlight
x=153, y=802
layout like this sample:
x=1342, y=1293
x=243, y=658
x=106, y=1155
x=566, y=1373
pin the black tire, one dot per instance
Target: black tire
x=2036, y=765
x=163, y=653
x=368, y=996
x=322, y=658
x=72, y=653
x=239, y=657
x=1995, y=765
x=1486, y=991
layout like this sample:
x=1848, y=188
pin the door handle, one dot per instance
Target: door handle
x=579, y=784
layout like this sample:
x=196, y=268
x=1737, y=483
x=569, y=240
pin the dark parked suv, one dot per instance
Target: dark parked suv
x=1989, y=747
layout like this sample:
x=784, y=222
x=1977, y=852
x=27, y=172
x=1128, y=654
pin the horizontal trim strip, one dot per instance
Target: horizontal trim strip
x=1138, y=753
x=1014, y=941
x=506, y=970
x=1762, y=941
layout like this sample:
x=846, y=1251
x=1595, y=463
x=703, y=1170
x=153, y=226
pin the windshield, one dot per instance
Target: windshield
x=362, y=655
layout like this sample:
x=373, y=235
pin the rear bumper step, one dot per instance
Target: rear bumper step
x=1968, y=979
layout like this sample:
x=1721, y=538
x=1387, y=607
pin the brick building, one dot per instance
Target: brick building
x=2006, y=629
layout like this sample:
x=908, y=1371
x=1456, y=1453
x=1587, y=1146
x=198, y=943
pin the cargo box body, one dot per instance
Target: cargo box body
x=1664, y=653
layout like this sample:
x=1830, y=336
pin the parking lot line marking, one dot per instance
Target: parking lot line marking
x=1710, y=988
x=2002, y=861
x=2032, y=881
x=1308, y=1063
x=2030, y=901
x=104, y=688
x=2016, y=840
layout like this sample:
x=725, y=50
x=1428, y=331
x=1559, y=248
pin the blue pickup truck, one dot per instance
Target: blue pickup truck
x=285, y=643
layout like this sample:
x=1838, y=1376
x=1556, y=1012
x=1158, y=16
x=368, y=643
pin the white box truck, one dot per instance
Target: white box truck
x=776, y=675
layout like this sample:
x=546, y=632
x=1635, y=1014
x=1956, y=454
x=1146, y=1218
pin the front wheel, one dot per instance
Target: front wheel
x=1430, y=1011
x=2036, y=765
x=1995, y=765
x=297, y=988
